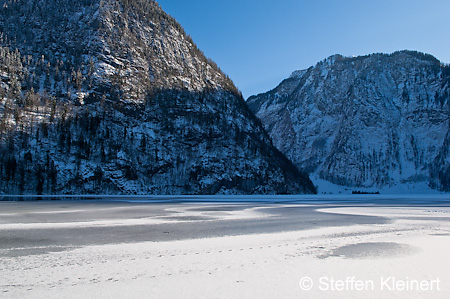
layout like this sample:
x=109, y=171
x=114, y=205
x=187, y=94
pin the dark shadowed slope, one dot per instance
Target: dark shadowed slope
x=109, y=96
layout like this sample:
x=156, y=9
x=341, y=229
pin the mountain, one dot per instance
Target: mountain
x=376, y=121
x=113, y=97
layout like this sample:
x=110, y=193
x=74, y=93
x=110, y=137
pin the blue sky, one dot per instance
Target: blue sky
x=259, y=43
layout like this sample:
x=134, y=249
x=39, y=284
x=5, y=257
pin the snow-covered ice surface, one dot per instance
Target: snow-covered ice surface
x=375, y=241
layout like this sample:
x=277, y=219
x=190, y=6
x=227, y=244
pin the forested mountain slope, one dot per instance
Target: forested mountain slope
x=113, y=97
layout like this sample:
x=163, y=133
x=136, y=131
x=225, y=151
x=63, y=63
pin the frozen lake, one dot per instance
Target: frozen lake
x=75, y=248
x=30, y=227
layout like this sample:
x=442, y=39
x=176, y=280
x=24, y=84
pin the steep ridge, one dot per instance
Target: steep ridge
x=373, y=121
x=112, y=97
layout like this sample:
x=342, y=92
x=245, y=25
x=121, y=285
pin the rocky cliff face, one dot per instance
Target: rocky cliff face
x=112, y=96
x=373, y=121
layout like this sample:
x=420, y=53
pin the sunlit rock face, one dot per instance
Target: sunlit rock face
x=373, y=121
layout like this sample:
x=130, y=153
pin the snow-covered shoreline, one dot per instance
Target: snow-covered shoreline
x=232, y=198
